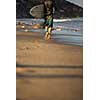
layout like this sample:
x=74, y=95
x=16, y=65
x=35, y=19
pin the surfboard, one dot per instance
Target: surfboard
x=37, y=11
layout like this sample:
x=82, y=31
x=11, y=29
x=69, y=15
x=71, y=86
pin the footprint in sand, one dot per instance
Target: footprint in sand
x=25, y=48
x=36, y=44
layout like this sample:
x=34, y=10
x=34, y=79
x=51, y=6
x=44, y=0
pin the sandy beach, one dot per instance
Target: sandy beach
x=47, y=70
x=33, y=49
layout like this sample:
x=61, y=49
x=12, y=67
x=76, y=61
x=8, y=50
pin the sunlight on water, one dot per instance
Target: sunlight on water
x=70, y=31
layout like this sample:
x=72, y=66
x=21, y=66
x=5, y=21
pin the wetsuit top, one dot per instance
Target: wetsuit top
x=48, y=13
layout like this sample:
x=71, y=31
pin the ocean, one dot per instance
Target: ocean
x=67, y=31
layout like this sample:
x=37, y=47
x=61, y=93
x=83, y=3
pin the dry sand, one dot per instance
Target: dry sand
x=47, y=70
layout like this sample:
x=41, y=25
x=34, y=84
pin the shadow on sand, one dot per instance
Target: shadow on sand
x=48, y=66
x=20, y=75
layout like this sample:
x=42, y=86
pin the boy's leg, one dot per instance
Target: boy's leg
x=48, y=27
x=49, y=32
x=46, y=32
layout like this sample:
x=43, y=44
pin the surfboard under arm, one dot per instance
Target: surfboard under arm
x=37, y=11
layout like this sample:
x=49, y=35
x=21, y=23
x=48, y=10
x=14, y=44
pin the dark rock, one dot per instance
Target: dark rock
x=63, y=8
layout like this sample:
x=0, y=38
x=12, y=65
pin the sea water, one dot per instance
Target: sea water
x=67, y=31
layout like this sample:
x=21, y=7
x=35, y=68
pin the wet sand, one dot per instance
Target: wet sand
x=47, y=70
x=33, y=49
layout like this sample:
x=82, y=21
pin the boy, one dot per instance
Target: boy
x=48, y=16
